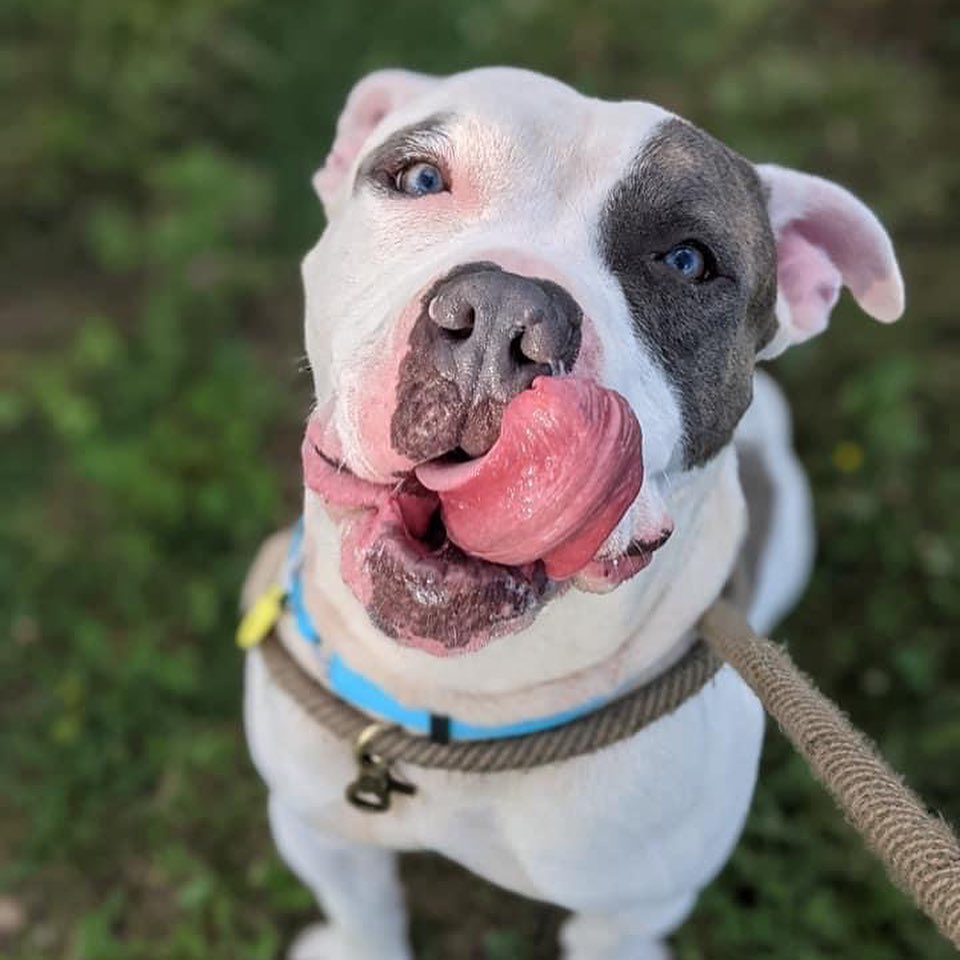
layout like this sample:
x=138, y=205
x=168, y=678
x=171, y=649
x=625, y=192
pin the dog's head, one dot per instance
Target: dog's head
x=516, y=285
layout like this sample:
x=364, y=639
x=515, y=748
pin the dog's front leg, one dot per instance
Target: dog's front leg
x=357, y=888
x=631, y=933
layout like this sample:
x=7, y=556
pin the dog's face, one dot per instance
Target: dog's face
x=516, y=284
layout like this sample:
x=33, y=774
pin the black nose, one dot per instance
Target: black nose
x=483, y=337
x=504, y=329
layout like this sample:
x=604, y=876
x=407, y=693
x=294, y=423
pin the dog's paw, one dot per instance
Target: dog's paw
x=651, y=951
x=315, y=943
x=320, y=941
x=634, y=950
x=592, y=937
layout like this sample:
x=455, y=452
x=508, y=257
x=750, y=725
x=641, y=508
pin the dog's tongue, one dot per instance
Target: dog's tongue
x=564, y=470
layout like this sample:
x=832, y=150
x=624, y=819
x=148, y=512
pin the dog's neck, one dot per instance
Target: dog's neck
x=580, y=647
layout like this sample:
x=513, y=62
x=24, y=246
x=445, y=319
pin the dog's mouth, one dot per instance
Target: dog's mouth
x=461, y=550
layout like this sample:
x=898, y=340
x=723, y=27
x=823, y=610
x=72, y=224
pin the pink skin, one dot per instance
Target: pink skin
x=380, y=513
x=375, y=408
x=325, y=433
x=825, y=237
x=382, y=517
x=844, y=232
x=809, y=281
x=338, y=487
x=604, y=575
x=590, y=360
x=565, y=469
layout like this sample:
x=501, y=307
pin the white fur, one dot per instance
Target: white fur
x=787, y=559
x=625, y=837
x=656, y=816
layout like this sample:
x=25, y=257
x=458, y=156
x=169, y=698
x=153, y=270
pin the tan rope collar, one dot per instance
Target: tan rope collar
x=920, y=852
x=607, y=724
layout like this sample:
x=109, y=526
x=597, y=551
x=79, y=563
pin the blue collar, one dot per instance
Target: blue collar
x=365, y=695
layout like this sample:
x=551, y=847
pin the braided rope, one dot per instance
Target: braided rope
x=616, y=721
x=920, y=851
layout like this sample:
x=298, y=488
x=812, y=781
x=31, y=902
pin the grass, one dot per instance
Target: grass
x=150, y=409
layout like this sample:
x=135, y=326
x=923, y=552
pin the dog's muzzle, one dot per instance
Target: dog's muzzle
x=482, y=337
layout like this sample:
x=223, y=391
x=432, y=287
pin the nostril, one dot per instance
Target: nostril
x=466, y=321
x=536, y=344
x=456, y=317
x=517, y=356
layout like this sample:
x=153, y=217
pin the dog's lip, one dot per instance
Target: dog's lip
x=396, y=551
x=445, y=601
x=637, y=553
x=340, y=466
x=396, y=478
x=417, y=586
x=329, y=461
x=638, y=548
x=335, y=483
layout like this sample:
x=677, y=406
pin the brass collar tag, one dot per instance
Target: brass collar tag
x=375, y=782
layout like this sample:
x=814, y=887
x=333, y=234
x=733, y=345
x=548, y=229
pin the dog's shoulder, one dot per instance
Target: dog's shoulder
x=777, y=553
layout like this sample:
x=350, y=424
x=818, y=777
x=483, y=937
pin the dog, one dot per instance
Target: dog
x=539, y=450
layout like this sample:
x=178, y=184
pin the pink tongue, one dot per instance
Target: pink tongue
x=564, y=470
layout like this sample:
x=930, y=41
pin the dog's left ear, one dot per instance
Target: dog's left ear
x=826, y=238
x=370, y=100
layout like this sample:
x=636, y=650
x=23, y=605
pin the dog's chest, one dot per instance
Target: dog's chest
x=672, y=788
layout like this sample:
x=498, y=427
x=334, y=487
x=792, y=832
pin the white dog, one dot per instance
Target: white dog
x=516, y=284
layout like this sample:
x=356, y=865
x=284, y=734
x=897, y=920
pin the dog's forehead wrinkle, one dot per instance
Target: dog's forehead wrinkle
x=515, y=116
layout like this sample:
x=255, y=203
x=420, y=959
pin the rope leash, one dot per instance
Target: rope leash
x=919, y=851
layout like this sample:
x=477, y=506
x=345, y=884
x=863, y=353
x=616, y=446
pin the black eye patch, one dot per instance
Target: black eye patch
x=686, y=186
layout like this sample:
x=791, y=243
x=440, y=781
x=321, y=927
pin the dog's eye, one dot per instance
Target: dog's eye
x=692, y=261
x=419, y=179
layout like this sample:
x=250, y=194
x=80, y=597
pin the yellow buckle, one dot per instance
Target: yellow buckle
x=261, y=618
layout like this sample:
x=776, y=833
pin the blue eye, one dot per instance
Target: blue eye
x=689, y=260
x=419, y=179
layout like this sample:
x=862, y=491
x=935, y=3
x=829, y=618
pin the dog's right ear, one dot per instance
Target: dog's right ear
x=826, y=239
x=371, y=99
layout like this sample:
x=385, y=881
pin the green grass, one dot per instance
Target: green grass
x=155, y=177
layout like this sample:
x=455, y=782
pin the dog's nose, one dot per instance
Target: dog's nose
x=495, y=332
x=506, y=329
